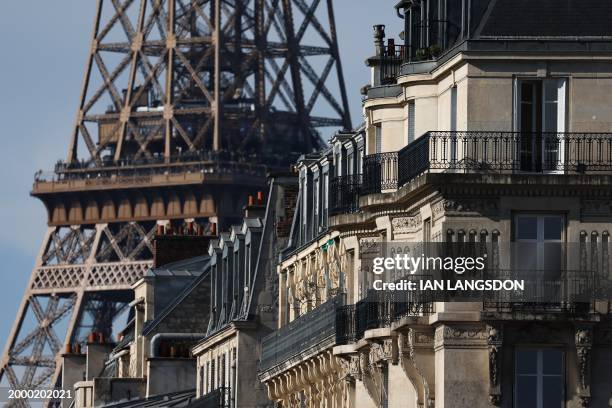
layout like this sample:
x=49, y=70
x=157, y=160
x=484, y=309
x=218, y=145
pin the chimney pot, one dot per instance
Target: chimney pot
x=251, y=201
x=259, y=198
x=379, y=39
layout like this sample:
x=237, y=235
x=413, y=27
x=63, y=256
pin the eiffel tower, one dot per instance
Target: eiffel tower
x=185, y=105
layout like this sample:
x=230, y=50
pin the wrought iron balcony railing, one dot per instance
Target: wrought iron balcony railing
x=489, y=152
x=344, y=194
x=378, y=309
x=391, y=63
x=567, y=292
x=303, y=333
x=379, y=172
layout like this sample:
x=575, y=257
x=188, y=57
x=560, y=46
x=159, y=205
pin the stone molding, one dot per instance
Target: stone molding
x=495, y=340
x=407, y=225
x=584, y=344
x=415, y=348
x=464, y=336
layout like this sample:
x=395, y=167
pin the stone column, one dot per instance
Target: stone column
x=461, y=365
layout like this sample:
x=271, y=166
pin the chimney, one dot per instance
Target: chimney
x=255, y=209
x=185, y=244
x=379, y=39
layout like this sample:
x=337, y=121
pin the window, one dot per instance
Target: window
x=427, y=230
x=453, y=125
x=316, y=185
x=411, y=119
x=538, y=246
x=540, y=112
x=202, y=381
x=453, y=108
x=325, y=198
x=539, y=380
x=377, y=138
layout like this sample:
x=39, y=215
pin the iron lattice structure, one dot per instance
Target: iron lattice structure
x=174, y=91
x=168, y=77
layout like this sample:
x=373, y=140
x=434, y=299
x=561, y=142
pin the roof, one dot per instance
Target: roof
x=548, y=18
x=175, y=399
x=188, y=267
x=182, y=295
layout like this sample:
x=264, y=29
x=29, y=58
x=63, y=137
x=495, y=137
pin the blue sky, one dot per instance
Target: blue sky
x=42, y=58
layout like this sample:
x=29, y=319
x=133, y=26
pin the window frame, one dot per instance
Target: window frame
x=539, y=373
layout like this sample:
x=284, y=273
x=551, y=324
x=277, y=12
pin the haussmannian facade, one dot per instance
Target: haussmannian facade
x=490, y=123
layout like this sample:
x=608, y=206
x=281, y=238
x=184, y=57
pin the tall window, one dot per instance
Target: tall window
x=411, y=119
x=316, y=185
x=325, y=198
x=453, y=124
x=377, y=138
x=540, y=115
x=539, y=380
x=538, y=240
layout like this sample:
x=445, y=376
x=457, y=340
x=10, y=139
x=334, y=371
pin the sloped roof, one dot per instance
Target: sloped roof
x=548, y=18
x=188, y=267
x=150, y=325
x=175, y=399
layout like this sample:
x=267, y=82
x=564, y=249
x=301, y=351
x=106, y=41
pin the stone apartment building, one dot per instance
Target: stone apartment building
x=197, y=318
x=490, y=123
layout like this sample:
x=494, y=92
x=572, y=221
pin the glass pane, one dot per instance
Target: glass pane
x=526, y=361
x=527, y=227
x=552, y=259
x=551, y=90
x=553, y=362
x=550, y=119
x=553, y=228
x=525, y=256
x=552, y=393
x=526, y=392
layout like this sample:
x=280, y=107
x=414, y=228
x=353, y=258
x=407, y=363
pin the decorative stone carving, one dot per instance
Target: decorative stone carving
x=584, y=344
x=405, y=225
x=461, y=337
x=480, y=206
x=460, y=206
x=495, y=341
x=437, y=209
x=415, y=346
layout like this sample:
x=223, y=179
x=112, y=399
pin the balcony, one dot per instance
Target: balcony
x=379, y=172
x=344, y=194
x=489, y=152
x=379, y=309
x=391, y=63
x=567, y=293
x=307, y=332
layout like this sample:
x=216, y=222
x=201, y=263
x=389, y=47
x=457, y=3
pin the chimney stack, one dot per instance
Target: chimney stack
x=255, y=209
x=379, y=39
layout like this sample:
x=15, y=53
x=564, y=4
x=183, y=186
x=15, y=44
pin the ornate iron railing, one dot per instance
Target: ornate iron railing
x=506, y=152
x=378, y=309
x=301, y=334
x=344, y=194
x=379, y=172
x=475, y=152
x=391, y=63
x=569, y=292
